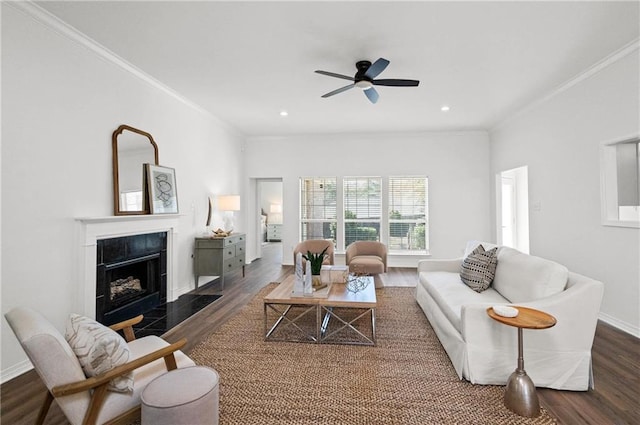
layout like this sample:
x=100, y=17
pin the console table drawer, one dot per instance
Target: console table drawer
x=233, y=263
x=229, y=252
x=233, y=239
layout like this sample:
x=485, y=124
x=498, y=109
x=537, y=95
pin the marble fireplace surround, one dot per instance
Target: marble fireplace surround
x=91, y=229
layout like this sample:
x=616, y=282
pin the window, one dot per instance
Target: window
x=392, y=210
x=407, y=213
x=362, y=209
x=318, y=207
x=620, y=182
x=131, y=200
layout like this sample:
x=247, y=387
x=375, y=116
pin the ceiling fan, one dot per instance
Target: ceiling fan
x=365, y=79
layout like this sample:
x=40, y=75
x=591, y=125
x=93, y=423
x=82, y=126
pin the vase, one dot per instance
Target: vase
x=316, y=281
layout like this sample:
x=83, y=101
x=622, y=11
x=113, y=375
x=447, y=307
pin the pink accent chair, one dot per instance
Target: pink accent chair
x=368, y=257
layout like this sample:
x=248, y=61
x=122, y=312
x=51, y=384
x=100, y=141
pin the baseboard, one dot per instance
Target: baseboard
x=181, y=291
x=623, y=326
x=15, y=370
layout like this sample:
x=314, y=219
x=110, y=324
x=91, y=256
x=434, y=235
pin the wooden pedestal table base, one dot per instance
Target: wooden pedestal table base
x=520, y=393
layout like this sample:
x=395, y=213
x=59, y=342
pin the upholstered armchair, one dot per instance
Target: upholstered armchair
x=86, y=400
x=315, y=246
x=368, y=257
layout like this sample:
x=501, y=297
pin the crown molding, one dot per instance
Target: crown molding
x=45, y=17
x=588, y=73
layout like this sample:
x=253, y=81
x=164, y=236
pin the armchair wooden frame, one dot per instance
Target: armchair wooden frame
x=98, y=384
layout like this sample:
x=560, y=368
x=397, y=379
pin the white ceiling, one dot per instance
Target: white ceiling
x=247, y=61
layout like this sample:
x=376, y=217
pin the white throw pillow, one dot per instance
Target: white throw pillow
x=522, y=278
x=99, y=349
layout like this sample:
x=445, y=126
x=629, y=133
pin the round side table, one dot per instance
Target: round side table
x=520, y=393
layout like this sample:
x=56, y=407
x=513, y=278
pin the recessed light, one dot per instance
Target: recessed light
x=283, y=113
x=445, y=108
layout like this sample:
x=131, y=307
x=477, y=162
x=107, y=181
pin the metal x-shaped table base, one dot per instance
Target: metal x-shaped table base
x=321, y=335
x=283, y=317
x=329, y=313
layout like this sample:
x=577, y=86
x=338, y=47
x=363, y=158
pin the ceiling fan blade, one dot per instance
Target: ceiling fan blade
x=396, y=82
x=376, y=68
x=340, y=90
x=333, y=74
x=372, y=94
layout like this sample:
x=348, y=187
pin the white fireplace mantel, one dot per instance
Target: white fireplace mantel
x=92, y=229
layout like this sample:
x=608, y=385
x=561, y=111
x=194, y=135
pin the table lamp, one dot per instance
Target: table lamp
x=228, y=204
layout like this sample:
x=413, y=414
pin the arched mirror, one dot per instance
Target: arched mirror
x=132, y=148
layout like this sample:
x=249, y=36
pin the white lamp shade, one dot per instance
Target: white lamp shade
x=275, y=208
x=229, y=202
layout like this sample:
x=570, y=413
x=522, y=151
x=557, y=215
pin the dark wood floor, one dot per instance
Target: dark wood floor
x=616, y=356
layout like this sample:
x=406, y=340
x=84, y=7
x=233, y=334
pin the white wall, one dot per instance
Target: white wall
x=457, y=165
x=559, y=141
x=61, y=102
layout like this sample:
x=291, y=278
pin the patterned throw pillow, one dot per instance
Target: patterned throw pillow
x=479, y=268
x=99, y=349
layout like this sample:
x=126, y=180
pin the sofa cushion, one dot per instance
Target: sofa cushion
x=478, y=268
x=522, y=278
x=448, y=291
x=99, y=349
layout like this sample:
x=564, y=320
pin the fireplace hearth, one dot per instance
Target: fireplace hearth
x=131, y=276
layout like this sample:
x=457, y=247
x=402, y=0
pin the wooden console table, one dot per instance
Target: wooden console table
x=218, y=256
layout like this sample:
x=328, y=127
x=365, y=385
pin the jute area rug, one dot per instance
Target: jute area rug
x=406, y=378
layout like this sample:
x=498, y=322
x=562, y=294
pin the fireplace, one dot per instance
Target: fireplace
x=90, y=230
x=131, y=276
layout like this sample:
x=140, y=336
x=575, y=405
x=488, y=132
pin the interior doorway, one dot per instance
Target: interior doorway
x=512, y=208
x=269, y=213
x=508, y=222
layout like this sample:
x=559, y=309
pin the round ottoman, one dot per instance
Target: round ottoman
x=186, y=396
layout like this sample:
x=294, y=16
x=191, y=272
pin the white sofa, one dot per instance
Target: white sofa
x=484, y=351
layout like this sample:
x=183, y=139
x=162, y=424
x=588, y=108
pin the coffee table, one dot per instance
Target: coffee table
x=347, y=310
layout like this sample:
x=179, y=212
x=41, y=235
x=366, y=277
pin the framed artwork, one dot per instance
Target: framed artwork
x=163, y=193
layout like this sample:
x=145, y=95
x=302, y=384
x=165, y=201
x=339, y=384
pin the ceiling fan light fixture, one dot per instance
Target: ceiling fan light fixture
x=365, y=79
x=364, y=84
